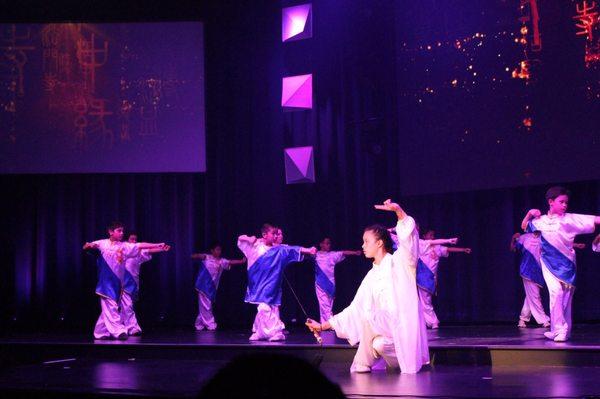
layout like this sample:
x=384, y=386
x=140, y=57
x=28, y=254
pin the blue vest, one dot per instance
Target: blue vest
x=425, y=277
x=266, y=274
x=205, y=283
x=109, y=285
x=323, y=282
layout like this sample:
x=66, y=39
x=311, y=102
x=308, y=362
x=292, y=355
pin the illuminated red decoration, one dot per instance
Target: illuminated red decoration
x=530, y=12
x=586, y=19
x=522, y=72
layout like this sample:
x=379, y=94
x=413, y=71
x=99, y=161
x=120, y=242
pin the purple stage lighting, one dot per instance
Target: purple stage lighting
x=296, y=23
x=299, y=165
x=296, y=92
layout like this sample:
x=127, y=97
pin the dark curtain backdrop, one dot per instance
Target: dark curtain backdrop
x=48, y=282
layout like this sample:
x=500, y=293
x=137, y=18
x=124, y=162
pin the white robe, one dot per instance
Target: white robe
x=387, y=305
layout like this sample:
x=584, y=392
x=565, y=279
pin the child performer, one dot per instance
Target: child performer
x=430, y=252
x=530, y=269
x=559, y=229
x=325, y=262
x=266, y=264
x=111, y=271
x=384, y=317
x=207, y=284
x=131, y=284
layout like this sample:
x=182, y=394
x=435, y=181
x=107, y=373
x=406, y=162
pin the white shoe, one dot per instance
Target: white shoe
x=277, y=337
x=562, y=337
x=435, y=326
x=360, y=369
x=549, y=335
x=254, y=337
x=522, y=324
x=546, y=324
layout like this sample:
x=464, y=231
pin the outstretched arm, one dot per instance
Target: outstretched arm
x=90, y=245
x=238, y=261
x=156, y=250
x=308, y=251
x=444, y=241
x=532, y=214
x=350, y=253
x=199, y=256
x=148, y=245
x=463, y=250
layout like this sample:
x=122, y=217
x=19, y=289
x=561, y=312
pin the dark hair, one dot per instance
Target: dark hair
x=381, y=233
x=556, y=191
x=425, y=231
x=215, y=244
x=115, y=225
x=131, y=233
x=266, y=228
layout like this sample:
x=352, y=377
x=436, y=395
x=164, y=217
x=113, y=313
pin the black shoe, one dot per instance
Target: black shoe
x=122, y=337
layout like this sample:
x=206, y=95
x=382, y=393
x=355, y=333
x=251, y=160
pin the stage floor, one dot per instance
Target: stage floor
x=92, y=367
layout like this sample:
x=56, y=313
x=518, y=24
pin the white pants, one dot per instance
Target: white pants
x=325, y=304
x=267, y=323
x=561, y=299
x=371, y=348
x=128, y=317
x=205, y=318
x=532, y=305
x=427, y=306
x=109, y=323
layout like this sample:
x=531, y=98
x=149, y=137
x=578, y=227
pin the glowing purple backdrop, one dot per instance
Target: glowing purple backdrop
x=102, y=98
x=296, y=23
x=296, y=92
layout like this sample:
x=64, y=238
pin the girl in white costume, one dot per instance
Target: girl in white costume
x=385, y=317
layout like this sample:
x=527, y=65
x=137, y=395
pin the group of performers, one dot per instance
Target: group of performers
x=392, y=307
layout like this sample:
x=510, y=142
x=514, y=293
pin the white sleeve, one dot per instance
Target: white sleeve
x=579, y=224
x=130, y=250
x=407, y=253
x=145, y=256
x=442, y=251
x=338, y=257
x=349, y=323
x=244, y=246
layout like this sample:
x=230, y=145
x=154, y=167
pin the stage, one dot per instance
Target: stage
x=473, y=361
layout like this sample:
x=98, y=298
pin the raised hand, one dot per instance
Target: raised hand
x=467, y=250
x=534, y=213
x=388, y=205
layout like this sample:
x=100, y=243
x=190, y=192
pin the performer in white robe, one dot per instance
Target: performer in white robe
x=325, y=262
x=207, y=283
x=385, y=317
x=558, y=256
x=131, y=285
x=111, y=271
